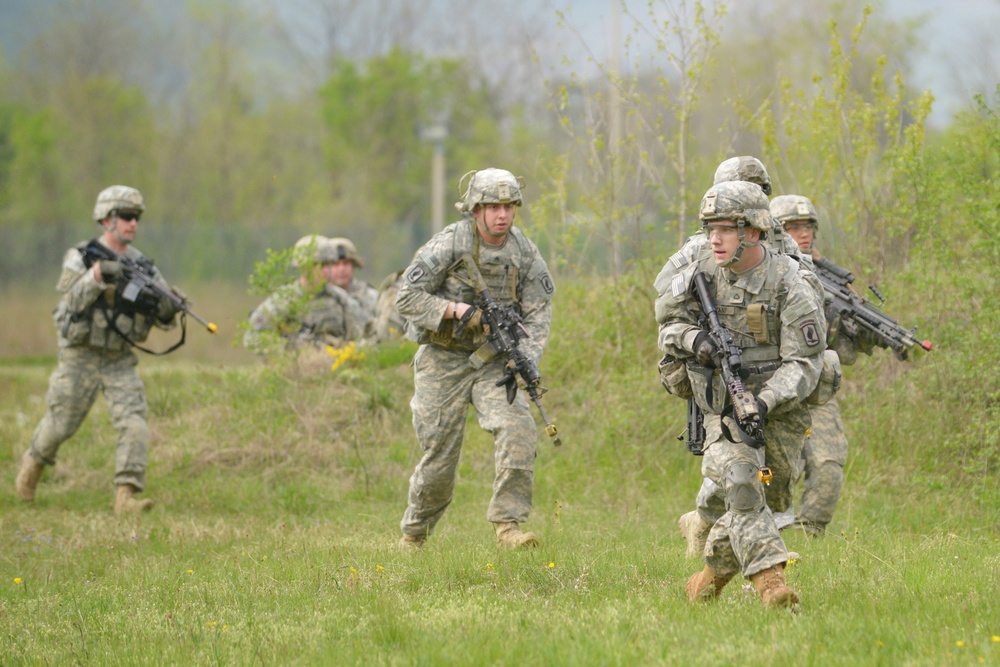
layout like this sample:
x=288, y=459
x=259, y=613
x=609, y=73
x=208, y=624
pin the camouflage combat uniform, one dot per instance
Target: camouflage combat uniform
x=92, y=358
x=445, y=382
x=784, y=353
x=367, y=298
x=331, y=316
x=825, y=453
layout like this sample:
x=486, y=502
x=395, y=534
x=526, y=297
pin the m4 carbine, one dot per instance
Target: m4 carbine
x=850, y=306
x=137, y=278
x=743, y=404
x=503, y=339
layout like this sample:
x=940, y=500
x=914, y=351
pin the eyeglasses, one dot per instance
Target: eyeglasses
x=721, y=230
x=128, y=216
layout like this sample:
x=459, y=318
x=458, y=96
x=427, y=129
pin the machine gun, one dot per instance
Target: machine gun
x=138, y=277
x=503, y=339
x=851, y=306
x=743, y=405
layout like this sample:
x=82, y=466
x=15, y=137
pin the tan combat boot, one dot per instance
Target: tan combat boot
x=411, y=542
x=126, y=502
x=695, y=531
x=510, y=536
x=705, y=585
x=770, y=583
x=28, y=476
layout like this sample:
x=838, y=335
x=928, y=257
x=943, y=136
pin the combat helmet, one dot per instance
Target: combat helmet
x=118, y=198
x=489, y=186
x=742, y=202
x=309, y=249
x=744, y=168
x=339, y=248
x=791, y=208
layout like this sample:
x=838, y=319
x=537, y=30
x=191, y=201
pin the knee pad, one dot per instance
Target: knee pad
x=744, y=492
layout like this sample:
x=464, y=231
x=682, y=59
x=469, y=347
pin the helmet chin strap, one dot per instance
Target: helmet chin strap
x=740, y=226
x=114, y=231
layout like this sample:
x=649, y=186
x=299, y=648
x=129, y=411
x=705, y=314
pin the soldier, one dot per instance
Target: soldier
x=747, y=168
x=772, y=311
x=825, y=451
x=436, y=299
x=97, y=329
x=317, y=309
x=342, y=275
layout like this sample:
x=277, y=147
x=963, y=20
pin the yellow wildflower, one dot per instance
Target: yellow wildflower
x=551, y=565
x=17, y=580
x=960, y=643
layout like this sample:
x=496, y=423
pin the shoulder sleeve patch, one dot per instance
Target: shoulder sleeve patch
x=678, y=285
x=430, y=259
x=547, y=284
x=810, y=332
x=796, y=310
x=415, y=273
x=678, y=259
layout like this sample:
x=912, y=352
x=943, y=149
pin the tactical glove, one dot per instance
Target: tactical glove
x=705, y=350
x=471, y=321
x=166, y=310
x=110, y=270
x=762, y=410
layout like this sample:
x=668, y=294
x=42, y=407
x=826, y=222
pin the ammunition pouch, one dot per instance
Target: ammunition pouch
x=829, y=380
x=674, y=377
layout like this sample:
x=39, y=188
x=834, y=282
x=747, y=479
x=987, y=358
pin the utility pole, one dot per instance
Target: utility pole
x=436, y=133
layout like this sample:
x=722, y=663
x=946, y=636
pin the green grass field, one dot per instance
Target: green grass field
x=279, y=490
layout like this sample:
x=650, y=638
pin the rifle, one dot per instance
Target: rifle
x=504, y=337
x=695, y=430
x=848, y=304
x=743, y=405
x=138, y=277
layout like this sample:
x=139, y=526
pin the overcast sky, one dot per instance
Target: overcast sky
x=960, y=37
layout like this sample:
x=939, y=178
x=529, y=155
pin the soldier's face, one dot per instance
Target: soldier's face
x=494, y=221
x=339, y=273
x=724, y=238
x=123, y=227
x=803, y=232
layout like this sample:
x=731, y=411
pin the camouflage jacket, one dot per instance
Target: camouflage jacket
x=329, y=316
x=782, y=345
x=515, y=273
x=88, y=308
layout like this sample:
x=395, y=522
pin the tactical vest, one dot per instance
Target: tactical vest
x=503, y=271
x=754, y=320
x=325, y=317
x=92, y=326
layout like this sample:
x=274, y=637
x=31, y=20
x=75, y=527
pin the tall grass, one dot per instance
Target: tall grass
x=279, y=490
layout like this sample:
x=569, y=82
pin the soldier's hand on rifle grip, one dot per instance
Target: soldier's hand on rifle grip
x=110, y=270
x=762, y=411
x=166, y=310
x=471, y=320
x=705, y=350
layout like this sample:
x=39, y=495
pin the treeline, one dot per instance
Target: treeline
x=243, y=138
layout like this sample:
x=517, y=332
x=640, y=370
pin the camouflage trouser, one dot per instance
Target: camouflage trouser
x=747, y=540
x=73, y=387
x=444, y=386
x=823, y=459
